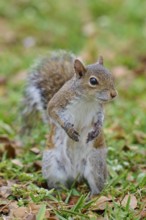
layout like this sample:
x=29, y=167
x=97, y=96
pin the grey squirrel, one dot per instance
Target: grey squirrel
x=70, y=97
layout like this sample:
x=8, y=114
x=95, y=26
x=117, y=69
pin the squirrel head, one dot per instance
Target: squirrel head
x=95, y=80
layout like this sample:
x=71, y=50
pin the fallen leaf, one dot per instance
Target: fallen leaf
x=140, y=137
x=35, y=150
x=143, y=214
x=17, y=162
x=4, y=206
x=101, y=203
x=4, y=139
x=35, y=209
x=5, y=191
x=132, y=201
x=10, y=149
x=20, y=212
x=118, y=131
x=73, y=200
x=38, y=165
x=30, y=216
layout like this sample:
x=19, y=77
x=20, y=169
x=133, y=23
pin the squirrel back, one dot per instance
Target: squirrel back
x=45, y=78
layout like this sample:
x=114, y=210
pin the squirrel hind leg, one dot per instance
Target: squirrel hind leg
x=54, y=170
x=96, y=170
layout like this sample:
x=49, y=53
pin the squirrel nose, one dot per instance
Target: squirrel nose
x=113, y=94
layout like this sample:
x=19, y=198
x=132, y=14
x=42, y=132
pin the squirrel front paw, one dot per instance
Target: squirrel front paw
x=71, y=132
x=93, y=134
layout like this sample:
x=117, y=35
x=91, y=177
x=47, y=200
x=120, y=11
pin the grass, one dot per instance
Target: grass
x=115, y=29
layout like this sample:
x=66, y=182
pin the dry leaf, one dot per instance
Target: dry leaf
x=30, y=216
x=73, y=200
x=10, y=149
x=5, y=191
x=140, y=137
x=35, y=208
x=17, y=162
x=38, y=165
x=35, y=150
x=101, y=203
x=132, y=203
x=143, y=214
x=20, y=212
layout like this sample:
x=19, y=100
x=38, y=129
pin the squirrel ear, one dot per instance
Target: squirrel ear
x=100, y=60
x=79, y=68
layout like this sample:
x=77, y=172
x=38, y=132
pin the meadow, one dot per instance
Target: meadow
x=117, y=31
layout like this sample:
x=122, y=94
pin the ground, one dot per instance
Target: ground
x=114, y=29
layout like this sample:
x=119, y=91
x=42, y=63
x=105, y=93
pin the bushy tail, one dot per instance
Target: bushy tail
x=45, y=78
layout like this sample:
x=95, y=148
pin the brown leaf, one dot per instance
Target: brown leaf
x=17, y=162
x=4, y=207
x=140, y=137
x=31, y=217
x=20, y=212
x=10, y=149
x=5, y=191
x=2, y=182
x=132, y=203
x=101, y=203
x=35, y=150
x=119, y=132
x=73, y=200
x=38, y=165
x=4, y=139
x=143, y=214
x=35, y=208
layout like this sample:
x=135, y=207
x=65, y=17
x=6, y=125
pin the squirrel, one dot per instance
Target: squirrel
x=71, y=98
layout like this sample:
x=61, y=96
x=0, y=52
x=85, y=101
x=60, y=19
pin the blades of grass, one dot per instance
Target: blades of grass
x=117, y=179
x=68, y=197
x=74, y=213
x=41, y=213
x=59, y=215
x=128, y=204
x=79, y=204
x=89, y=203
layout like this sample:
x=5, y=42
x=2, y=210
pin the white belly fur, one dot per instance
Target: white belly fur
x=81, y=114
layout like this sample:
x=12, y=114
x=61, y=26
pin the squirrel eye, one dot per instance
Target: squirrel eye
x=93, y=81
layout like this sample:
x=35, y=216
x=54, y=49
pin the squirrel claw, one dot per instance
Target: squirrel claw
x=72, y=133
x=92, y=135
x=75, y=136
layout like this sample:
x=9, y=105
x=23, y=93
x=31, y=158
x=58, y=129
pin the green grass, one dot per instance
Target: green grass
x=115, y=29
